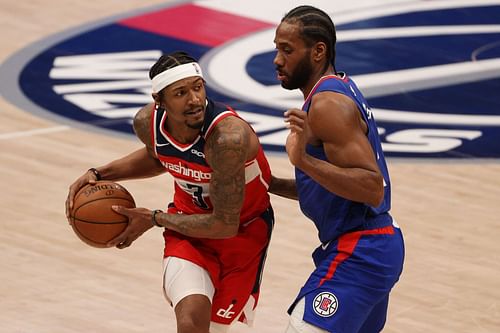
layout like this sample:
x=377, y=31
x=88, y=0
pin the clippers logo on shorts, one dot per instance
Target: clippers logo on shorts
x=429, y=69
x=325, y=304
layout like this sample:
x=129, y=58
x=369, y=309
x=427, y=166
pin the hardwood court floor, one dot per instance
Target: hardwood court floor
x=51, y=282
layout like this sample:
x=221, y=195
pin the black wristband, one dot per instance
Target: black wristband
x=96, y=173
x=153, y=217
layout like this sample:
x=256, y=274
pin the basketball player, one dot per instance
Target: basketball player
x=218, y=227
x=341, y=181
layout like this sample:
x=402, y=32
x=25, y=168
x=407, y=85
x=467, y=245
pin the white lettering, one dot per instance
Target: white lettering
x=197, y=153
x=119, y=71
x=185, y=171
x=426, y=140
x=104, y=102
x=369, y=111
x=226, y=313
x=105, y=66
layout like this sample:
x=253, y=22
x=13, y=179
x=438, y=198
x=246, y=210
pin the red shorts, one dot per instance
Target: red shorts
x=235, y=265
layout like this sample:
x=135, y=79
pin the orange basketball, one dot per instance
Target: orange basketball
x=93, y=219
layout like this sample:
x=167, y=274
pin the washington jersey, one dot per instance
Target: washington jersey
x=191, y=172
x=334, y=215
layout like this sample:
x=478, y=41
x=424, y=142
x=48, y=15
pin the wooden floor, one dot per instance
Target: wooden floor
x=51, y=282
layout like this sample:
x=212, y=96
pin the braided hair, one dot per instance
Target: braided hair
x=316, y=26
x=168, y=61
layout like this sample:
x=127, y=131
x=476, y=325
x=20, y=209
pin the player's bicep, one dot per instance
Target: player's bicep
x=336, y=122
x=226, y=153
x=353, y=154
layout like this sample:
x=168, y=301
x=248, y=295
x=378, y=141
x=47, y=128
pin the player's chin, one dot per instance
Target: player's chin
x=286, y=84
x=197, y=124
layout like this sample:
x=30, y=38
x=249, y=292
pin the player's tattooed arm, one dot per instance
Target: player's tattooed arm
x=283, y=187
x=226, y=149
x=227, y=152
x=142, y=125
x=140, y=163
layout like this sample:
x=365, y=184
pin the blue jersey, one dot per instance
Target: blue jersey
x=334, y=215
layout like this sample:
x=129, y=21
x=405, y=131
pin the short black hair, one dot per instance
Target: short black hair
x=171, y=60
x=316, y=26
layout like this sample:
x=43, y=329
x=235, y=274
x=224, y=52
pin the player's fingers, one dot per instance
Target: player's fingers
x=298, y=121
x=294, y=128
x=68, y=214
x=120, y=210
x=295, y=115
x=124, y=244
x=294, y=111
x=73, y=189
x=120, y=239
x=69, y=200
x=66, y=204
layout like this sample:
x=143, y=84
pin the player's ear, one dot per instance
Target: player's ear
x=319, y=51
x=156, y=98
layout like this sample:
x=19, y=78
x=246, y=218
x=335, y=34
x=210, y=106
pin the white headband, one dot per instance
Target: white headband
x=174, y=74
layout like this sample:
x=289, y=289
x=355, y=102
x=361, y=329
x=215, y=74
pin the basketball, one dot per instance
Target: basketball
x=93, y=219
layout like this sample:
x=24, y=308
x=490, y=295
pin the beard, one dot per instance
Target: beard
x=300, y=76
x=197, y=125
x=198, y=121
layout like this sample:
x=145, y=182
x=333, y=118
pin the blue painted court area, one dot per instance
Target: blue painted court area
x=430, y=70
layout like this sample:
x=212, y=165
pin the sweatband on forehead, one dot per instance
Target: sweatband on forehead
x=174, y=74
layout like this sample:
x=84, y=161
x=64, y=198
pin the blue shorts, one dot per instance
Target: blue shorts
x=348, y=292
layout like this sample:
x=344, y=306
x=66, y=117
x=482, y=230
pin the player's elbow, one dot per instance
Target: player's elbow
x=226, y=227
x=376, y=190
x=226, y=232
x=378, y=198
x=229, y=233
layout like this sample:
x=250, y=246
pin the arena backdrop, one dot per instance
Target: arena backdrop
x=429, y=69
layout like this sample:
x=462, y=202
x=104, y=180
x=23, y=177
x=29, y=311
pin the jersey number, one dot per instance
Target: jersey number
x=197, y=194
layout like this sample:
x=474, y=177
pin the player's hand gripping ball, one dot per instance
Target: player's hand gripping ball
x=92, y=218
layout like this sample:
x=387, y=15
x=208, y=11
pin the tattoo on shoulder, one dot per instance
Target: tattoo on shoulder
x=227, y=145
x=142, y=121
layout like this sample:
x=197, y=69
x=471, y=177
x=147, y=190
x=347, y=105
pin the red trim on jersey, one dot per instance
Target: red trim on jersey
x=153, y=127
x=346, y=245
x=171, y=139
x=222, y=115
x=316, y=85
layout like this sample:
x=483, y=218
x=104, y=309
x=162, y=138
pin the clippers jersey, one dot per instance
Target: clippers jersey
x=332, y=214
x=191, y=172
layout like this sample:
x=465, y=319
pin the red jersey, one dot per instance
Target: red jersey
x=191, y=172
x=235, y=264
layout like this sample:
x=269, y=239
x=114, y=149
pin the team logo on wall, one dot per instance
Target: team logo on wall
x=430, y=70
x=325, y=304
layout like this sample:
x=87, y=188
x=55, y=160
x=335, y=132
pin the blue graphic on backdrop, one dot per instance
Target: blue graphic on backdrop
x=100, y=77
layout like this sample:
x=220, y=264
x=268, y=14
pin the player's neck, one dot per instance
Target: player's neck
x=182, y=133
x=314, y=78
